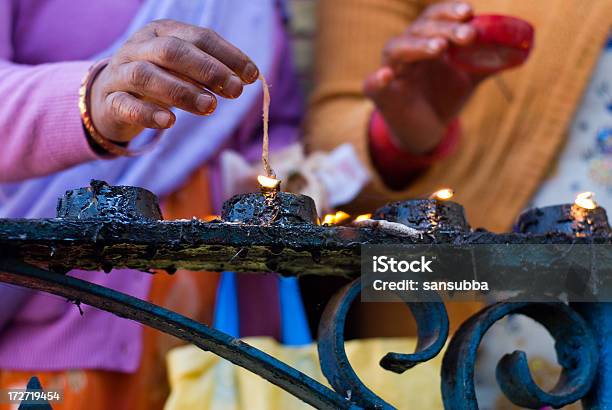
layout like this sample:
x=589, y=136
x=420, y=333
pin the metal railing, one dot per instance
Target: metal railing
x=102, y=228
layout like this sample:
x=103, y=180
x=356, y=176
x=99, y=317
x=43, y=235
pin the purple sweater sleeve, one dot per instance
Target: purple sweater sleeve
x=40, y=127
x=11, y=301
x=40, y=124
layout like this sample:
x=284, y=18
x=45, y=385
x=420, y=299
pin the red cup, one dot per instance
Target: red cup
x=501, y=42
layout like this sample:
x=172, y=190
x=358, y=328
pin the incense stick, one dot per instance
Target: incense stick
x=266, y=112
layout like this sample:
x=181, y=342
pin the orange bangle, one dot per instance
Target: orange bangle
x=84, y=104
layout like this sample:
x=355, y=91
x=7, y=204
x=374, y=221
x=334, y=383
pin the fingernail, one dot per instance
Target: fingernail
x=205, y=103
x=464, y=32
x=384, y=76
x=251, y=72
x=462, y=9
x=434, y=45
x=232, y=86
x=381, y=79
x=162, y=119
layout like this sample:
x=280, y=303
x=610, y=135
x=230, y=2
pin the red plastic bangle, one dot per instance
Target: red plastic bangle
x=398, y=166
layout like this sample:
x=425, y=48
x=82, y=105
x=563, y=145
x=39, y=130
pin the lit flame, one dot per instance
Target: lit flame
x=363, y=217
x=328, y=219
x=585, y=200
x=443, y=194
x=341, y=216
x=209, y=218
x=334, y=219
x=267, y=182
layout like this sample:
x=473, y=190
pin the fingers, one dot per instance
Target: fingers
x=167, y=64
x=211, y=43
x=152, y=82
x=408, y=49
x=377, y=82
x=458, y=33
x=129, y=110
x=430, y=36
x=451, y=10
x=185, y=59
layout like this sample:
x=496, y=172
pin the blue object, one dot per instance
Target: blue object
x=609, y=43
x=575, y=343
x=432, y=324
x=294, y=325
x=604, y=140
x=227, y=314
x=30, y=403
x=599, y=316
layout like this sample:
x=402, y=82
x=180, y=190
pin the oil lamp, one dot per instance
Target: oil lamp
x=101, y=200
x=582, y=218
x=270, y=205
x=437, y=213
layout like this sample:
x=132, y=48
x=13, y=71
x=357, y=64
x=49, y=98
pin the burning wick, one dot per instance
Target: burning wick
x=586, y=200
x=266, y=182
x=363, y=217
x=328, y=219
x=269, y=187
x=269, y=184
x=334, y=219
x=443, y=194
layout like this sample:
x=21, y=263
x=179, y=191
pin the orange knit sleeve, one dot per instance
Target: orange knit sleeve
x=351, y=35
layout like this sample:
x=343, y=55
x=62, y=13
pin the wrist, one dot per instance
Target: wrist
x=97, y=148
x=397, y=165
x=408, y=134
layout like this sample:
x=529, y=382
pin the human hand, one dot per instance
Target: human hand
x=417, y=90
x=166, y=64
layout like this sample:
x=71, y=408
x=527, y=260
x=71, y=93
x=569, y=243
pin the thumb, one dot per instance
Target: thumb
x=377, y=82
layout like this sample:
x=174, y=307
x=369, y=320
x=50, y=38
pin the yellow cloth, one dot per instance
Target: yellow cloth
x=512, y=128
x=201, y=380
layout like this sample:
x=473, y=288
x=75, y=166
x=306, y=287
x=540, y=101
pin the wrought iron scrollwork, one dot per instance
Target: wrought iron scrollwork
x=432, y=323
x=206, y=338
x=104, y=227
x=431, y=319
x=576, y=353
